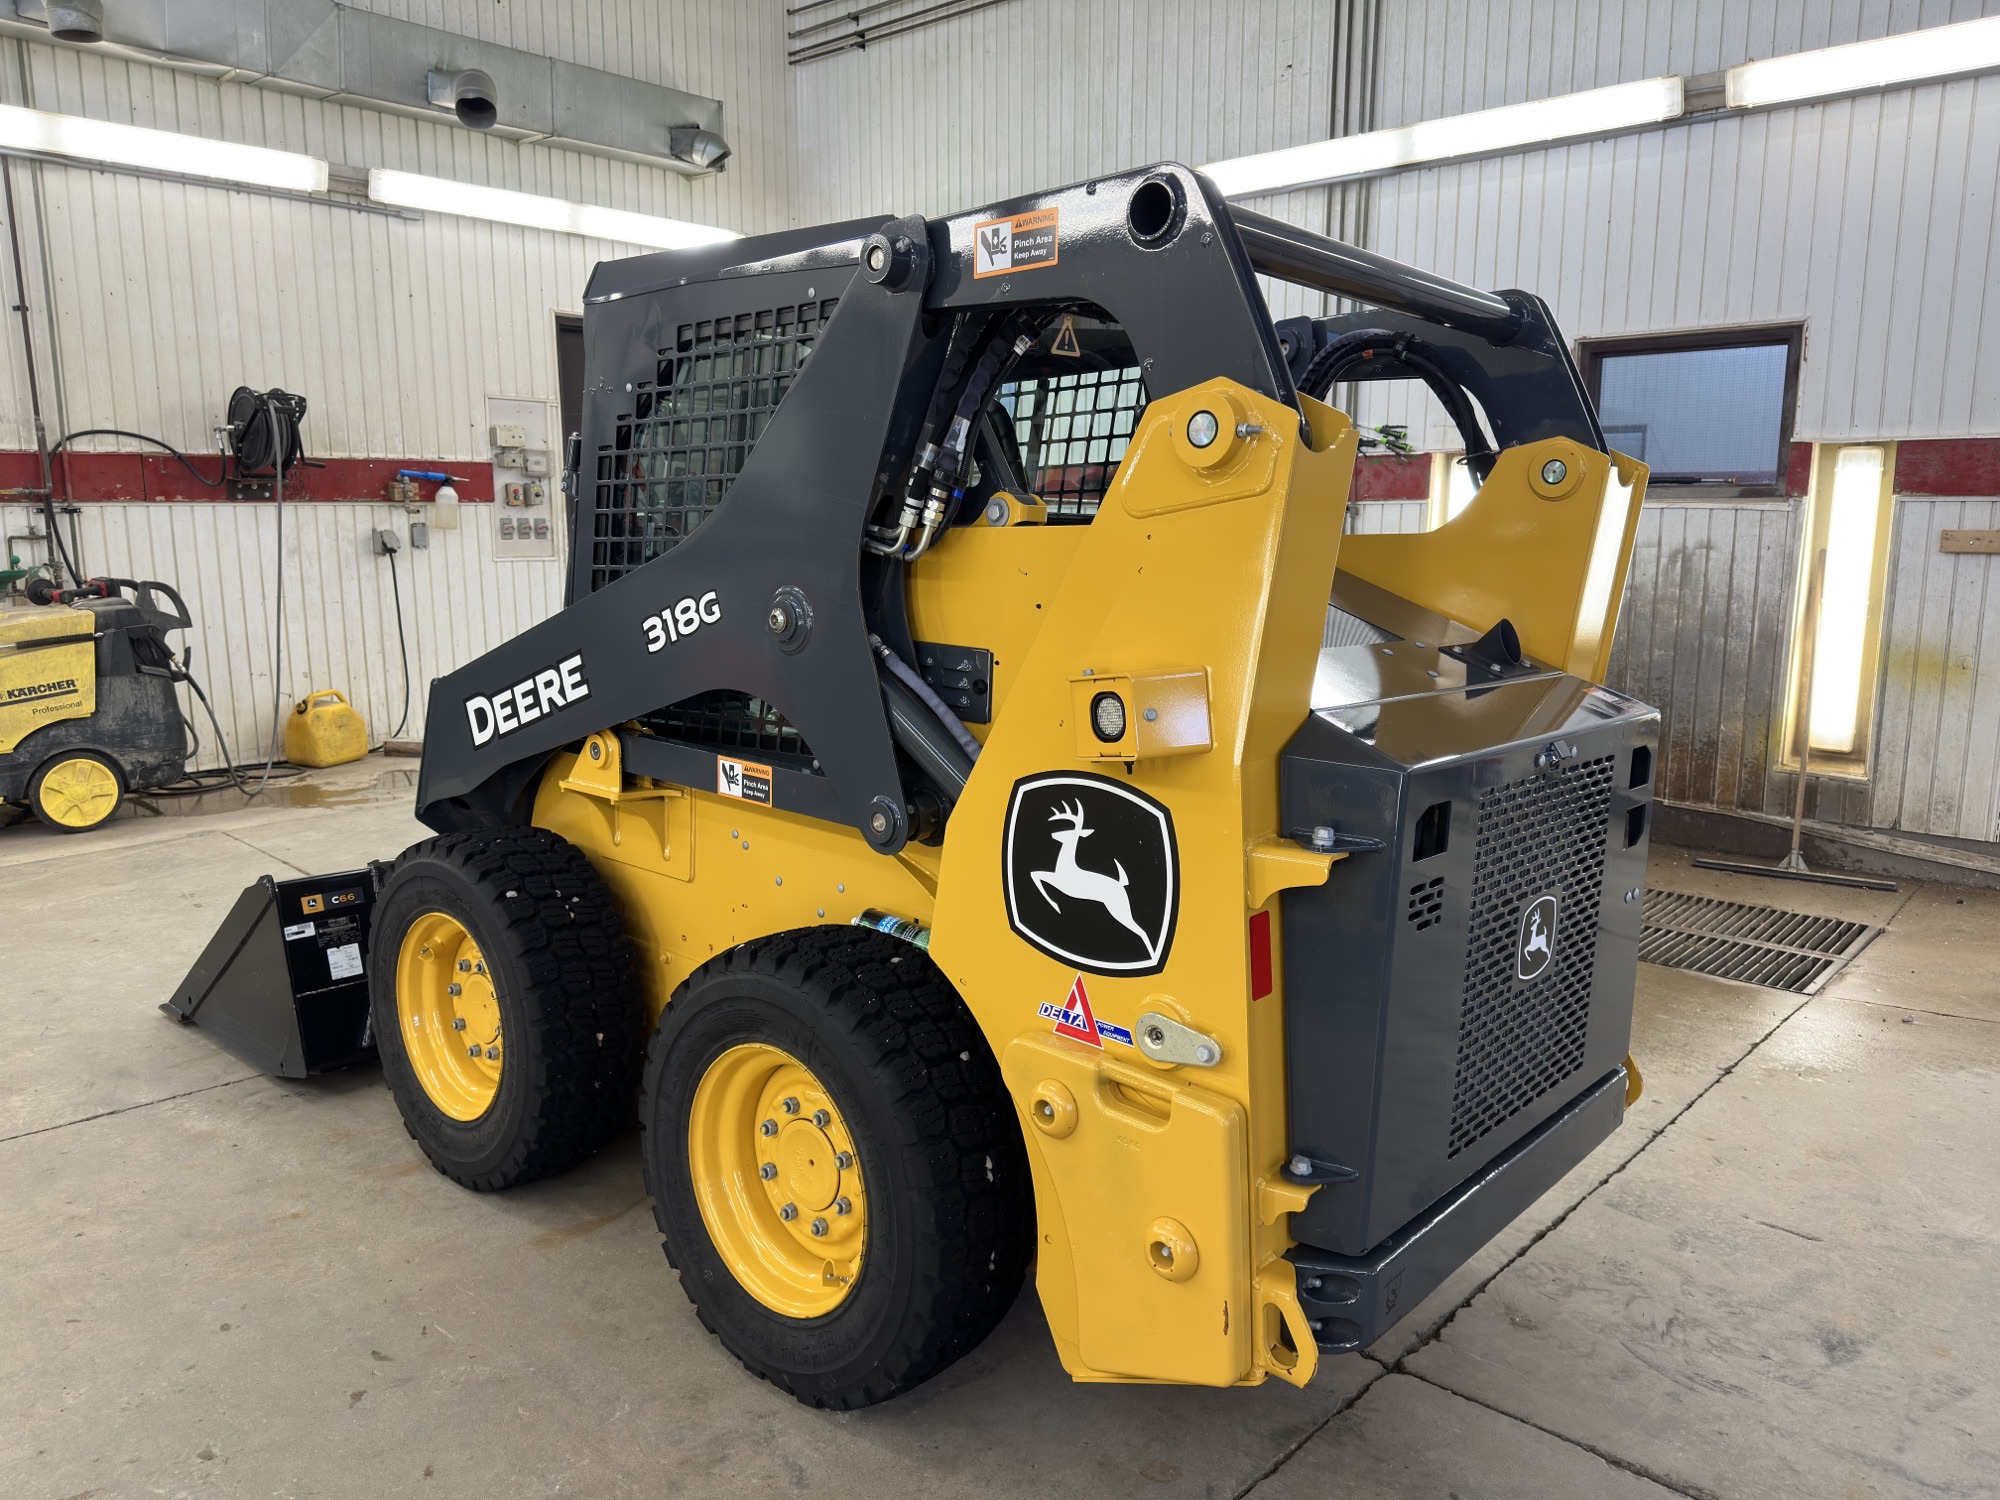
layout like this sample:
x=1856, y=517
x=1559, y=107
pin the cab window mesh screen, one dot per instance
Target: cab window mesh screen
x=676, y=453
x=1073, y=431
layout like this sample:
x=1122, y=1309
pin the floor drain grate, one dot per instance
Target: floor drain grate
x=1781, y=950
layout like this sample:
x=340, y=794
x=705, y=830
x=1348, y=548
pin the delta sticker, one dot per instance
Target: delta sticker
x=1075, y=1020
x=744, y=779
x=1024, y=242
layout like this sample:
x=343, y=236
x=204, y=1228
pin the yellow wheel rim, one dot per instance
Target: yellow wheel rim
x=78, y=793
x=450, y=1016
x=778, y=1180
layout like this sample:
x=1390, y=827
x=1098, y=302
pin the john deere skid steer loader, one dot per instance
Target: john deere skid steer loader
x=987, y=815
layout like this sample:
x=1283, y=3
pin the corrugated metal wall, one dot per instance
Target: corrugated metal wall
x=155, y=299
x=1870, y=220
x=1705, y=637
x=1937, y=741
x=458, y=600
x=165, y=295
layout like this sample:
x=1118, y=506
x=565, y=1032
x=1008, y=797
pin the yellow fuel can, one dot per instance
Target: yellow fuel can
x=325, y=730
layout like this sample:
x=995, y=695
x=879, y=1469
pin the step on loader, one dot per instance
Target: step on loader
x=987, y=813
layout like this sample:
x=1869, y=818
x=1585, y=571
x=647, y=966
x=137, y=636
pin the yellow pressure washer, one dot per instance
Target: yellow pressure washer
x=87, y=707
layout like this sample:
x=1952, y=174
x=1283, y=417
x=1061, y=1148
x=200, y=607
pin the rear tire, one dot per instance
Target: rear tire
x=940, y=1169
x=553, y=988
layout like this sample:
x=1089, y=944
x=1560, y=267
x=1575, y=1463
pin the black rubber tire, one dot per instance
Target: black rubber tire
x=951, y=1208
x=34, y=798
x=575, y=1025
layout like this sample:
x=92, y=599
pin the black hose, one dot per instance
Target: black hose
x=917, y=732
x=215, y=778
x=277, y=613
x=1329, y=364
x=186, y=462
x=1000, y=353
x=402, y=641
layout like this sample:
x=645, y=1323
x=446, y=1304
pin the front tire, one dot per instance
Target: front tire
x=509, y=1027
x=834, y=1071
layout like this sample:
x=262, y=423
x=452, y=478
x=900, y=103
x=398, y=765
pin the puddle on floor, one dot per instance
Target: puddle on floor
x=397, y=785
x=388, y=786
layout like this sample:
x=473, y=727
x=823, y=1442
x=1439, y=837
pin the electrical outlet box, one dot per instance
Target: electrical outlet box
x=386, y=542
x=420, y=534
x=541, y=528
x=522, y=449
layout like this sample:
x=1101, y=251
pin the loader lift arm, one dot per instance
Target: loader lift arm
x=775, y=595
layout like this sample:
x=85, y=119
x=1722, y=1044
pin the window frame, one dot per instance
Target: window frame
x=1591, y=353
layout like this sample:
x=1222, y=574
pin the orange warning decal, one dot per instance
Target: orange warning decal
x=1024, y=242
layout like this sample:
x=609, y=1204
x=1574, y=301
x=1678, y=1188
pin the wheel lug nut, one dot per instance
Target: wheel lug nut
x=465, y=966
x=844, y=1160
x=768, y=1170
x=458, y=1023
x=819, y=1226
x=791, y=1106
x=821, y=1118
x=789, y=1212
x=493, y=1054
x=453, y=989
x=768, y=1127
x=473, y=1051
x=842, y=1206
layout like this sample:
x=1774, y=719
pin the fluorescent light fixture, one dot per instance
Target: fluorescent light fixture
x=158, y=150
x=1540, y=122
x=1840, y=645
x=502, y=206
x=1859, y=67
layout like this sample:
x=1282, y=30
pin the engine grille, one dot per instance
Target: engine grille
x=1517, y=1040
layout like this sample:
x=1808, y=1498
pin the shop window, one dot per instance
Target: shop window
x=1708, y=413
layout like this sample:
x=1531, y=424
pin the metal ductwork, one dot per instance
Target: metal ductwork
x=76, y=21
x=326, y=50
x=468, y=95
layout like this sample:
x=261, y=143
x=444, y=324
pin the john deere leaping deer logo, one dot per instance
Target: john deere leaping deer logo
x=1080, y=884
x=1107, y=906
x=1535, y=946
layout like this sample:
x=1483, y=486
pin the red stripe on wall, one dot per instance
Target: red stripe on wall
x=1924, y=466
x=1798, y=469
x=1392, y=476
x=86, y=477
x=1948, y=466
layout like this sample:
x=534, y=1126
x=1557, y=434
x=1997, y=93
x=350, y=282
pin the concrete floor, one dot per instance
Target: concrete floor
x=1779, y=1278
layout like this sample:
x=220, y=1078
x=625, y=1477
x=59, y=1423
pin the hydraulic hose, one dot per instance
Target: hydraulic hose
x=918, y=734
x=1331, y=363
x=916, y=684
